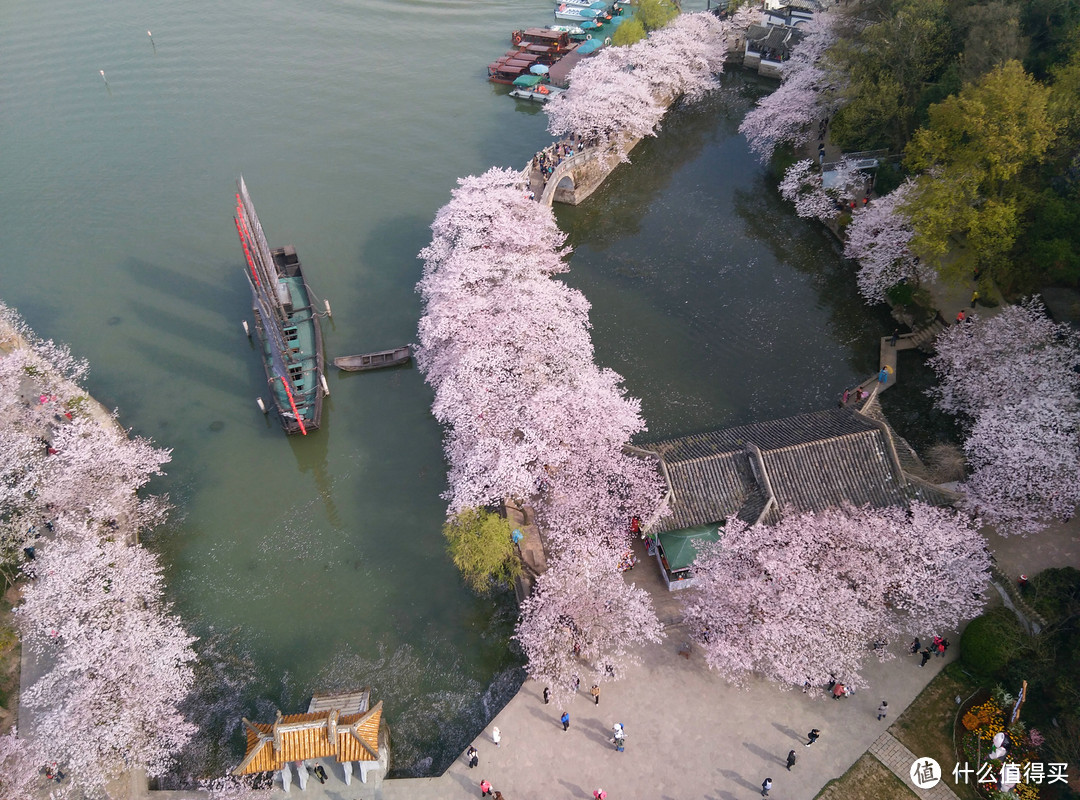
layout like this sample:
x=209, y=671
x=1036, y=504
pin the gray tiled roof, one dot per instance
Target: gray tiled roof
x=810, y=462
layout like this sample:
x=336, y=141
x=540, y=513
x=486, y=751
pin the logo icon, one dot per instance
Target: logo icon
x=925, y=773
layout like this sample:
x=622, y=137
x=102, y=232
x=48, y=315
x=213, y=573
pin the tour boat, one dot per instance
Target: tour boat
x=383, y=358
x=286, y=322
x=577, y=13
x=556, y=40
x=535, y=88
x=598, y=5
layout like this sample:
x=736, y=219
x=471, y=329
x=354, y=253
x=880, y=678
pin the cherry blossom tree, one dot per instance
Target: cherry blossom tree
x=529, y=414
x=583, y=620
x=805, y=599
x=878, y=239
x=802, y=186
x=805, y=96
x=117, y=660
x=58, y=458
x=20, y=766
x=620, y=95
x=1014, y=377
x=508, y=352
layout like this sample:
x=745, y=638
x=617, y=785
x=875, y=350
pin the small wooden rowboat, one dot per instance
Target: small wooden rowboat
x=384, y=358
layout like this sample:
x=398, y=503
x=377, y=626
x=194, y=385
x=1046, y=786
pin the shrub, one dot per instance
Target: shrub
x=1055, y=593
x=481, y=547
x=989, y=642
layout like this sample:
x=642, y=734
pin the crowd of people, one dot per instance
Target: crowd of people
x=547, y=160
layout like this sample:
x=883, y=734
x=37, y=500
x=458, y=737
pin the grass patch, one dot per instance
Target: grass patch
x=868, y=779
x=926, y=727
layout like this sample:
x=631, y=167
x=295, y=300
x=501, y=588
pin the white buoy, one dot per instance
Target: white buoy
x=247, y=330
x=262, y=405
x=325, y=388
x=327, y=304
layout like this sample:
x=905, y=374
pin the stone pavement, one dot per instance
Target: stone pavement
x=899, y=759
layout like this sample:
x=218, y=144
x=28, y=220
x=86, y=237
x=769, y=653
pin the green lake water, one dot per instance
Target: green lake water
x=318, y=563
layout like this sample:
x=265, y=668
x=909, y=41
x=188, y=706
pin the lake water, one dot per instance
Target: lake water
x=318, y=563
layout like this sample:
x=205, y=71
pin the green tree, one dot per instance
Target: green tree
x=629, y=32
x=971, y=153
x=885, y=67
x=481, y=547
x=1052, y=26
x=993, y=37
x=655, y=14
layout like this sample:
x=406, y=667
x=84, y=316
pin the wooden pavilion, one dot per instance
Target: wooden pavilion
x=341, y=726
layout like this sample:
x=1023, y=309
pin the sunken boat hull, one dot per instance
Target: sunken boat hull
x=286, y=323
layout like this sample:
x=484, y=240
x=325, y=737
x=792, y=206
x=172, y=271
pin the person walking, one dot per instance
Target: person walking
x=813, y=736
x=599, y=794
x=618, y=736
x=565, y=720
x=472, y=755
x=595, y=692
x=916, y=645
x=882, y=710
x=791, y=760
x=925, y=652
x=765, y=786
x=547, y=695
x=496, y=735
x=485, y=788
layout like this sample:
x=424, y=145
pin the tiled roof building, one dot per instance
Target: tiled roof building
x=805, y=463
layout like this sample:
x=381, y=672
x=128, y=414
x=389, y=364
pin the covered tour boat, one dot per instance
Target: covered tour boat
x=535, y=88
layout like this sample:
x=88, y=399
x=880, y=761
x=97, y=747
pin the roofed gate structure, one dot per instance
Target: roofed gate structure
x=340, y=726
x=760, y=472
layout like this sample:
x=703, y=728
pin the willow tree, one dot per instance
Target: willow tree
x=481, y=547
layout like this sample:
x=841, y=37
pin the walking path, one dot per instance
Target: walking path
x=899, y=759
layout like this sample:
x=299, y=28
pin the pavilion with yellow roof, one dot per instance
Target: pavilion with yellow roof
x=340, y=726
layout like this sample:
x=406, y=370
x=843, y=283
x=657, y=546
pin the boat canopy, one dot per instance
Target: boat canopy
x=590, y=46
x=590, y=25
x=527, y=81
x=539, y=69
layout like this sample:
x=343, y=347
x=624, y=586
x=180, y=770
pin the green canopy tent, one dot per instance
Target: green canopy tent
x=527, y=81
x=678, y=549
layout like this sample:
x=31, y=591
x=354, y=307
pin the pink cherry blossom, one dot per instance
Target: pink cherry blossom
x=878, y=239
x=805, y=96
x=805, y=599
x=1014, y=377
x=620, y=94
